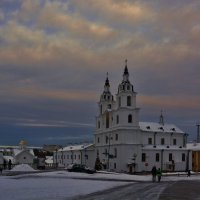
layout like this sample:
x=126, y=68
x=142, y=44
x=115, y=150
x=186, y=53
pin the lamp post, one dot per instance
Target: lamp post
x=62, y=155
x=56, y=157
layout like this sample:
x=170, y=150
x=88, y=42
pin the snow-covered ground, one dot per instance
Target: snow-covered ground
x=60, y=185
x=22, y=168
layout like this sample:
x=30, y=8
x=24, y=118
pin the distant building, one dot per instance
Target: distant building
x=1, y=159
x=79, y=154
x=122, y=143
x=194, y=148
x=23, y=155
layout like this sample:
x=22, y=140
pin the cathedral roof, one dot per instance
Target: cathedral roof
x=157, y=127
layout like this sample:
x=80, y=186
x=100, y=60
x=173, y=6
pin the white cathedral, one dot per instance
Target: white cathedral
x=124, y=144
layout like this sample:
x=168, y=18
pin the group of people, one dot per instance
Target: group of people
x=6, y=165
x=156, y=173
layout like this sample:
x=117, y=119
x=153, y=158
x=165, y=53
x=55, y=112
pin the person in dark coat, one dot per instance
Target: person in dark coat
x=153, y=172
x=188, y=173
x=159, y=174
x=9, y=164
x=4, y=164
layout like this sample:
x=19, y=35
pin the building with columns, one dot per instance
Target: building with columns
x=124, y=144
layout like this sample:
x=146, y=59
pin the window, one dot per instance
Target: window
x=157, y=157
x=24, y=158
x=97, y=152
x=75, y=156
x=183, y=157
x=109, y=106
x=162, y=141
x=105, y=152
x=128, y=87
x=143, y=157
x=67, y=156
x=117, y=119
x=106, y=139
x=129, y=118
x=149, y=140
x=99, y=125
x=170, y=157
x=115, y=152
x=101, y=109
x=98, y=140
x=174, y=141
x=115, y=166
x=107, y=120
x=79, y=157
x=119, y=101
x=116, y=137
x=129, y=101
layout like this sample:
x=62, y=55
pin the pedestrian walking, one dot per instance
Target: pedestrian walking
x=9, y=164
x=188, y=173
x=153, y=172
x=159, y=174
x=4, y=164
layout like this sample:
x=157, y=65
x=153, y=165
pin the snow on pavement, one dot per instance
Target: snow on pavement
x=29, y=187
x=59, y=185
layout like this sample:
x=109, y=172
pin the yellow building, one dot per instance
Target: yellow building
x=195, y=149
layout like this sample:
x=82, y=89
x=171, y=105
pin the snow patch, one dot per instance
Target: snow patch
x=22, y=168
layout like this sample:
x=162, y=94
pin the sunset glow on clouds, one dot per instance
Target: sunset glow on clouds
x=54, y=56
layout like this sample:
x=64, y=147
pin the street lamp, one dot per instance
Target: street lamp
x=62, y=155
x=56, y=157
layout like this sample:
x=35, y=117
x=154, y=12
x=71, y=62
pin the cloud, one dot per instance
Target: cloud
x=1, y=15
x=54, y=124
x=178, y=102
x=116, y=11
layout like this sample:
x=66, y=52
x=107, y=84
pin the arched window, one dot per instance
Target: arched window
x=128, y=100
x=119, y=101
x=107, y=120
x=115, y=152
x=130, y=118
x=157, y=157
x=117, y=119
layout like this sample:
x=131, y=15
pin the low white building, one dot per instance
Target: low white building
x=79, y=154
x=23, y=156
x=122, y=143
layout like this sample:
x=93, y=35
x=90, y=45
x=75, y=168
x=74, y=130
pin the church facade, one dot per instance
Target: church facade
x=124, y=144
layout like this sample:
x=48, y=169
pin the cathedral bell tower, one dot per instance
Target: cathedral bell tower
x=106, y=104
x=126, y=101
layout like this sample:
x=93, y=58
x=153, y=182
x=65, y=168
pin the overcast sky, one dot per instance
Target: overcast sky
x=54, y=56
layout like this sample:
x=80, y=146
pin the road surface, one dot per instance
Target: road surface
x=179, y=190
